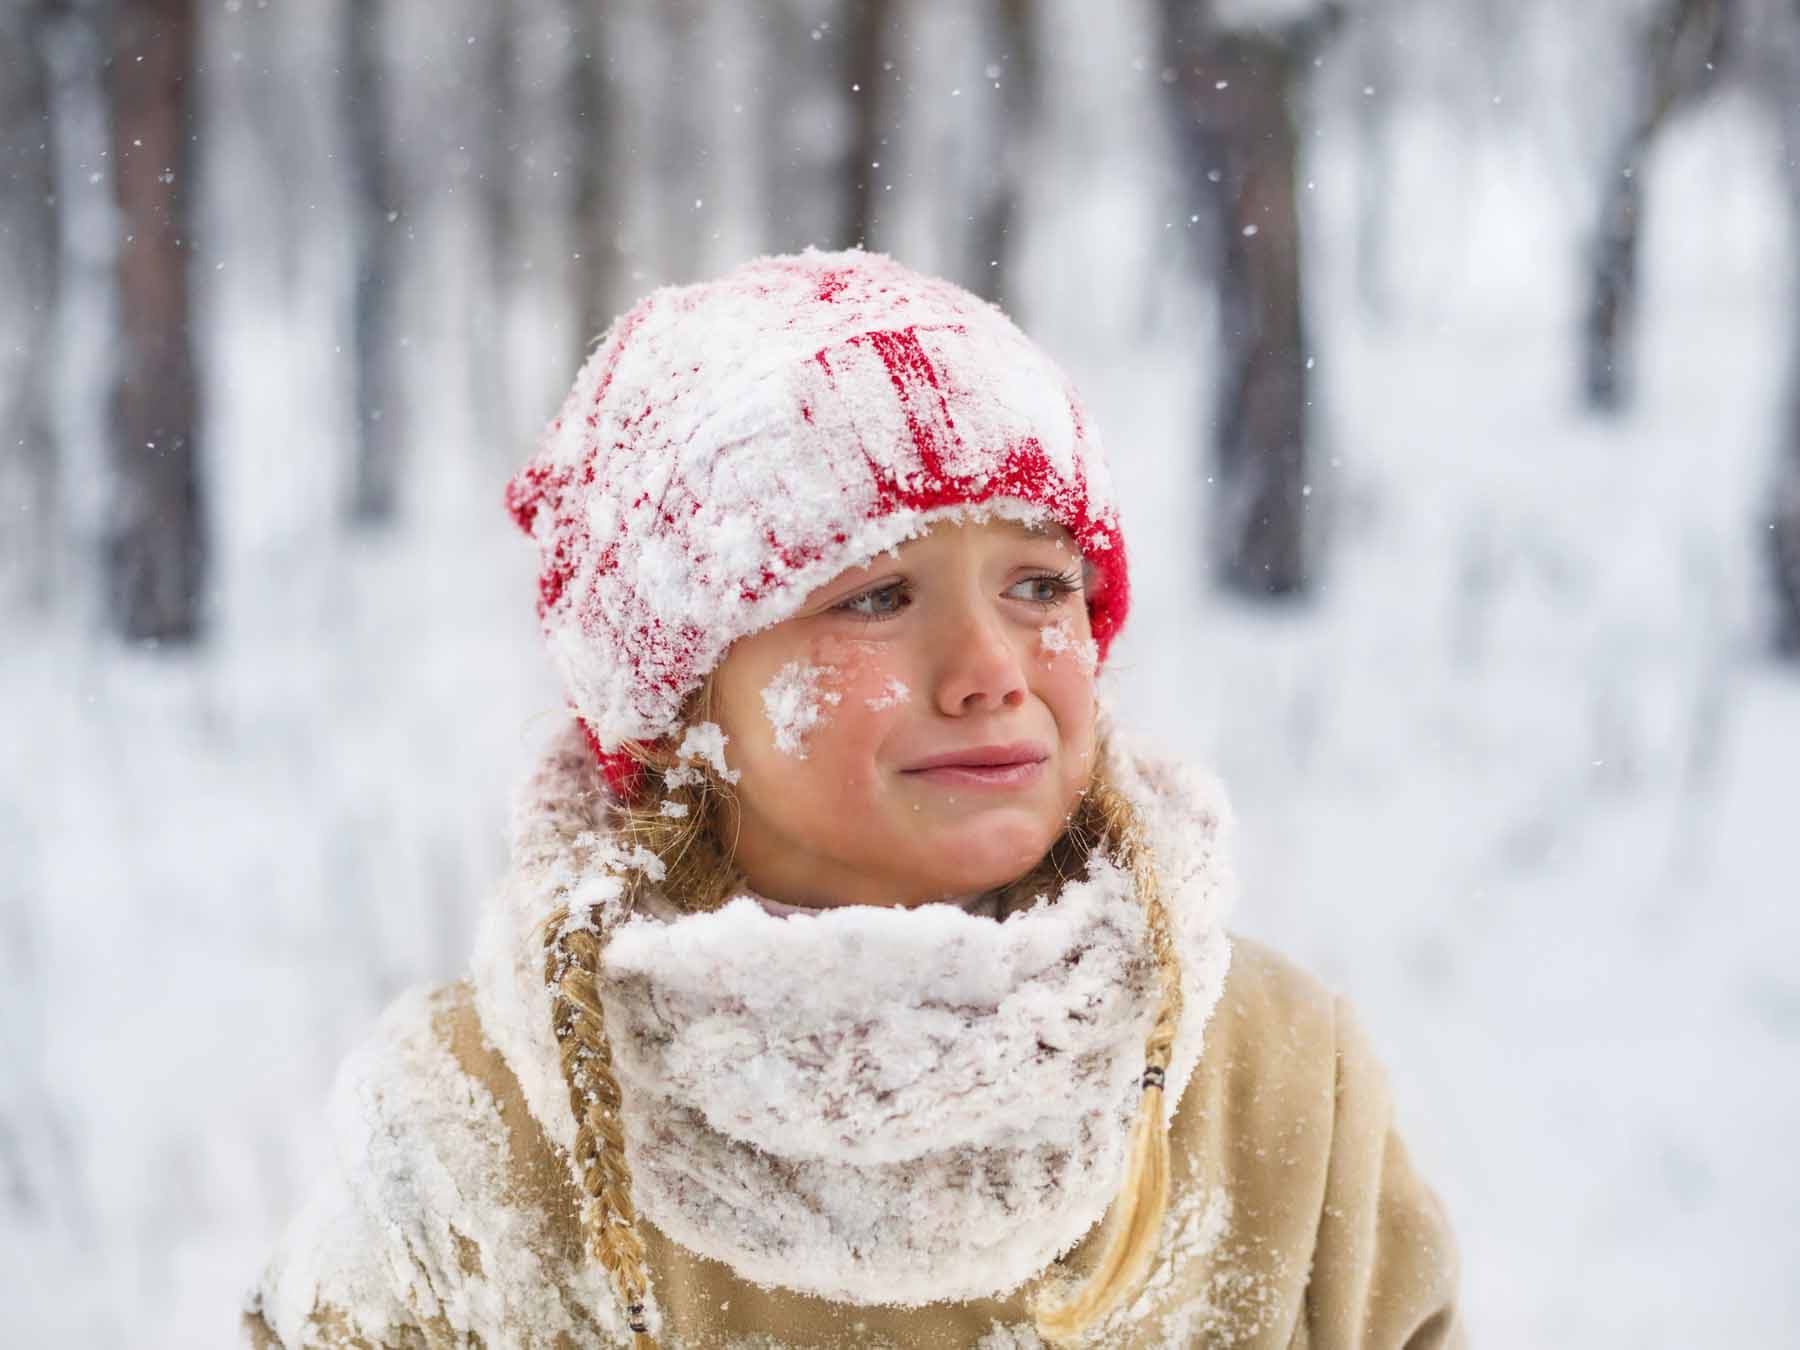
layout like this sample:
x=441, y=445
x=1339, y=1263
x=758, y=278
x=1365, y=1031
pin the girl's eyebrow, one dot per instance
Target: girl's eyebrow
x=1042, y=529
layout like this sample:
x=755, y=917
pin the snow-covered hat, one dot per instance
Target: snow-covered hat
x=732, y=445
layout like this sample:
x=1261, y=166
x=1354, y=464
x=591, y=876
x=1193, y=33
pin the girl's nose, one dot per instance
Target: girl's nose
x=980, y=666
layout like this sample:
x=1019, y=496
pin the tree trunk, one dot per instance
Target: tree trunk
x=1231, y=97
x=156, y=544
x=489, y=372
x=808, y=110
x=1682, y=52
x=866, y=46
x=30, y=269
x=377, y=227
x=1783, y=522
x=679, y=135
x=598, y=172
x=1784, y=532
x=1020, y=95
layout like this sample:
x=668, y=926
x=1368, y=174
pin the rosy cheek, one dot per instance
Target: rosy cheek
x=1064, y=645
x=867, y=676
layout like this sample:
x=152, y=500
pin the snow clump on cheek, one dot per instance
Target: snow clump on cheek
x=893, y=694
x=795, y=705
x=1056, y=638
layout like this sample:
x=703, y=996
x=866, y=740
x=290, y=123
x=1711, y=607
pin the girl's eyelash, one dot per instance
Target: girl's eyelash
x=846, y=605
x=1064, y=584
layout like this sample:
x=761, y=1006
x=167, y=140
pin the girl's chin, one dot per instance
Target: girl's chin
x=983, y=861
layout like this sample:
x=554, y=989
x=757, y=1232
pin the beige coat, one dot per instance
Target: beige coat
x=1297, y=1220
x=451, y=1219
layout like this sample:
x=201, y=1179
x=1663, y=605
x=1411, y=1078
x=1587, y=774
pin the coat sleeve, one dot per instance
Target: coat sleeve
x=357, y=1268
x=329, y=1285
x=1385, y=1266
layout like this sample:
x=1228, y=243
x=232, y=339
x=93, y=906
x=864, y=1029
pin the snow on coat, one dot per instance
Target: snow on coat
x=898, y=1156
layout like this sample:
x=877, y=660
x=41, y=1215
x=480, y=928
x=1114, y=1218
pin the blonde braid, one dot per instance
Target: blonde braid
x=699, y=874
x=572, y=969
x=1135, y=1222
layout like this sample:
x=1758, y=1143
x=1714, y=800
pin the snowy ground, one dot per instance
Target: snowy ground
x=1520, y=778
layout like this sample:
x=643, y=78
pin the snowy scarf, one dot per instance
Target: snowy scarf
x=870, y=1105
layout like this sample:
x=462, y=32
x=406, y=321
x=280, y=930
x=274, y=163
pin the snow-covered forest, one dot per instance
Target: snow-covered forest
x=1445, y=352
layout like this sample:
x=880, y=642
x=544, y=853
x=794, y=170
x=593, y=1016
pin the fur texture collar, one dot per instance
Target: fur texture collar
x=869, y=1105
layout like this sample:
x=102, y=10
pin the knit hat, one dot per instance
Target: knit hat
x=732, y=445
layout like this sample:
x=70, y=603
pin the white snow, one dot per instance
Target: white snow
x=705, y=741
x=794, y=701
x=892, y=695
x=1058, y=638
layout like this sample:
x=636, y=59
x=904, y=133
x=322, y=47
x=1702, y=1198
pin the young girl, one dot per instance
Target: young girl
x=853, y=984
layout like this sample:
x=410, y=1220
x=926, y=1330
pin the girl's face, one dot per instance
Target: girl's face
x=921, y=729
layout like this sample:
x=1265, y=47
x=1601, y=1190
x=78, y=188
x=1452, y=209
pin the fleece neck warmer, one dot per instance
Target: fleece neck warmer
x=867, y=1104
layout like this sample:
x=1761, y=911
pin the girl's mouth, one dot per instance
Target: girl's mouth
x=995, y=766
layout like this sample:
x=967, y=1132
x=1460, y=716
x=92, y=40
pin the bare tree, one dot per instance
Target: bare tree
x=808, y=97
x=1776, y=39
x=593, y=102
x=376, y=227
x=30, y=268
x=155, y=535
x=1231, y=96
x=1021, y=92
x=1682, y=52
x=868, y=42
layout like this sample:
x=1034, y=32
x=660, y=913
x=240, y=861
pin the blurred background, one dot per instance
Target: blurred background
x=1446, y=354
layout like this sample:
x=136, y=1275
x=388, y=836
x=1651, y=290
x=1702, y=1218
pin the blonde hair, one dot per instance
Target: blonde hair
x=679, y=818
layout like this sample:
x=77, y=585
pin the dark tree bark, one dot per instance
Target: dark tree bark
x=1020, y=101
x=498, y=130
x=1781, y=77
x=377, y=227
x=867, y=38
x=1784, y=532
x=808, y=107
x=1232, y=100
x=1682, y=53
x=598, y=171
x=155, y=537
x=679, y=134
x=30, y=269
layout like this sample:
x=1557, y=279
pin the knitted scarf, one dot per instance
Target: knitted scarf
x=874, y=1105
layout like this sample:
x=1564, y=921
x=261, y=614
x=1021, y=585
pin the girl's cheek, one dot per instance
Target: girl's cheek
x=798, y=702
x=1062, y=643
x=868, y=676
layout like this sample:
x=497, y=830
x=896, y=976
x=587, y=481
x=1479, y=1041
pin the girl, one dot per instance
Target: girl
x=853, y=985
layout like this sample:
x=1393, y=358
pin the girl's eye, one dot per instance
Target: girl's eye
x=883, y=602
x=1048, y=588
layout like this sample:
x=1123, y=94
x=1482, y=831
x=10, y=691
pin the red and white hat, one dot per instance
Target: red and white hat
x=732, y=445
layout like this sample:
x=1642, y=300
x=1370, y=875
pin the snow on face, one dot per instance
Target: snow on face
x=1054, y=639
x=934, y=647
x=795, y=702
x=893, y=696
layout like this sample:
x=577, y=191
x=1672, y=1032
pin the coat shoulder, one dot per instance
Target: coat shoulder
x=442, y=1216
x=1293, y=1202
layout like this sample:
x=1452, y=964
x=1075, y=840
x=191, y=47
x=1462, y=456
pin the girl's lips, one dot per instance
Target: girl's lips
x=982, y=775
x=1001, y=767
